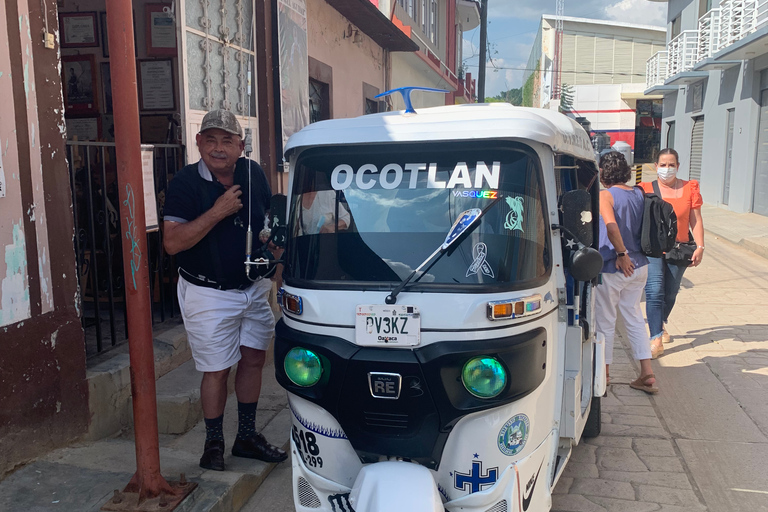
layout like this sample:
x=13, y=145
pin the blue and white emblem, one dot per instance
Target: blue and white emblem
x=514, y=220
x=514, y=434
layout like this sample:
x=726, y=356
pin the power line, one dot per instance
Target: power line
x=564, y=71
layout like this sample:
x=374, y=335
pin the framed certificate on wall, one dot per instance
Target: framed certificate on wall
x=156, y=89
x=78, y=29
x=160, y=30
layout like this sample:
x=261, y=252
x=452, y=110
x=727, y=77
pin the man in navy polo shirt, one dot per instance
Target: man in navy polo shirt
x=226, y=315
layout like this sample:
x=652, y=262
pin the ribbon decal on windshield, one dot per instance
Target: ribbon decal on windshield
x=480, y=252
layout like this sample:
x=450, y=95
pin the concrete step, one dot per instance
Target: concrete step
x=178, y=398
x=109, y=379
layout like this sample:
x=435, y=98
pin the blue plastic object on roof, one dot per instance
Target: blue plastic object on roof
x=406, y=92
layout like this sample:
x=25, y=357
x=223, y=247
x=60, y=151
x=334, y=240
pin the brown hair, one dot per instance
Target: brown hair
x=668, y=151
x=614, y=169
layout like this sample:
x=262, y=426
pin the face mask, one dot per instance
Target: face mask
x=666, y=173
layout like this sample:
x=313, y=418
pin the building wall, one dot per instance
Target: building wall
x=43, y=391
x=592, y=53
x=607, y=112
x=737, y=88
x=352, y=63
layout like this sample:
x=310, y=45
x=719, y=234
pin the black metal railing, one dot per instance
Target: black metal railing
x=98, y=242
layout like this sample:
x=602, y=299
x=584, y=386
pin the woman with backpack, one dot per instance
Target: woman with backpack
x=625, y=267
x=666, y=273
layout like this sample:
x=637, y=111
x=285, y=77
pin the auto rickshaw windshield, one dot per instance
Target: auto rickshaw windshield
x=374, y=213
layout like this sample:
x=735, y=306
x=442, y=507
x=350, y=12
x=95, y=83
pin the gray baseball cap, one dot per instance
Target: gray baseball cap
x=223, y=120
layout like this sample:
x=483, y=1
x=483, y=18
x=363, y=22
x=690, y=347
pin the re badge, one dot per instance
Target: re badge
x=384, y=385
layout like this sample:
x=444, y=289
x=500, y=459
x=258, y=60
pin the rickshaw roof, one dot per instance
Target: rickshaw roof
x=491, y=121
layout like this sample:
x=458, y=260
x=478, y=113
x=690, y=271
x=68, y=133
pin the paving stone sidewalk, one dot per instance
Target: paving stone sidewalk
x=633, y=466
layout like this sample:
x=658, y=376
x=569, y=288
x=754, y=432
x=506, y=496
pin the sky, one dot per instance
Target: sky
x=512, y=26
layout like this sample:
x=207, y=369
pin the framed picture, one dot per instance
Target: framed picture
x=160, y=31
x=106, y=87
x=83, y=128
x=156, y=90
x=79, y=84
x=105, y=38
x=154, y=128
x=78, y=29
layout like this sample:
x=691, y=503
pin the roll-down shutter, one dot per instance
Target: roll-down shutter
x=697, y=146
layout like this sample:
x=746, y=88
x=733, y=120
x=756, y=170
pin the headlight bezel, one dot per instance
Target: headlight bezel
x=487, y=364
x=317, y=370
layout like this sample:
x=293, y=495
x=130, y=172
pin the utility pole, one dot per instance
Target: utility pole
x=147, y=488
x=483, y=51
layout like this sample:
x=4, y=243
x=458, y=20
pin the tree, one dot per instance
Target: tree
x=513, y=96
x=566, y=98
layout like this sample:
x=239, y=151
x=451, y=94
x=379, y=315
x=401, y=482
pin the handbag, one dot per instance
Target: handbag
x=682, y=253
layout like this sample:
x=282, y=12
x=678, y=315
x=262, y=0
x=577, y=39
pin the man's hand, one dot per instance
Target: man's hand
x=228, y=204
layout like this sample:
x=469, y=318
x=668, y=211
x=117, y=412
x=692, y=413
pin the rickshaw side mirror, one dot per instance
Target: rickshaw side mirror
x=576, y=207
x=585, y=264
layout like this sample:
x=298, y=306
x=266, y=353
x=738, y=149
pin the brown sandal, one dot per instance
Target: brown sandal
x=641, y=384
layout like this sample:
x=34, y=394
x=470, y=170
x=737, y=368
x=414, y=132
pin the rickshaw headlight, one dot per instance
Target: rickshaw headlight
x=484, y=377
x=303, y=367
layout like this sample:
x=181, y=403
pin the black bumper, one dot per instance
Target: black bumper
x=432, y=399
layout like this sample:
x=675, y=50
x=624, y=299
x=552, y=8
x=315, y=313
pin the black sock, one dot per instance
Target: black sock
x=246, y=419
x=214, y=430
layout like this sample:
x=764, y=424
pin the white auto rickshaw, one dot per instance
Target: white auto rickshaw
x=437, y=340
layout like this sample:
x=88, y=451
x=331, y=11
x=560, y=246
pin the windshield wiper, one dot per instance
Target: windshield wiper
x=465, y=224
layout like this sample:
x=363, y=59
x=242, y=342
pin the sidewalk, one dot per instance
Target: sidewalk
x=83, y=477
x=748, y=230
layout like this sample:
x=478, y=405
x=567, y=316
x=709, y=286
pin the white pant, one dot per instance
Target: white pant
x=219, y=322
x=624, y=293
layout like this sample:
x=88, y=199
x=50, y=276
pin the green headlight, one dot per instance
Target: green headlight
x=303, y=367
x=484, y=377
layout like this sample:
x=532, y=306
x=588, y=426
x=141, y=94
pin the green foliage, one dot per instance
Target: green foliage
x=513, y=96
x=566, y=98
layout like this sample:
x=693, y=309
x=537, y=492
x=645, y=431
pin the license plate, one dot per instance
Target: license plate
x=382, y=325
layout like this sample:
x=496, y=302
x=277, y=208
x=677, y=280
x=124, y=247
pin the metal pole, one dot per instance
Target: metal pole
x=483, y=51
x=147, y=483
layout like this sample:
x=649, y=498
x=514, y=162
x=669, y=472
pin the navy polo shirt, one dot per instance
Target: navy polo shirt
x=219, y=256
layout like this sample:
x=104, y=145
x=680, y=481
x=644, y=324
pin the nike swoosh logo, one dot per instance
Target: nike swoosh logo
x=527, y=499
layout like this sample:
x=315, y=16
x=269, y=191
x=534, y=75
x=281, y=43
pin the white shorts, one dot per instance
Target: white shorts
x=219, y=322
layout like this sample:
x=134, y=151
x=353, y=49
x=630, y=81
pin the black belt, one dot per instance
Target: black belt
x=210, y=283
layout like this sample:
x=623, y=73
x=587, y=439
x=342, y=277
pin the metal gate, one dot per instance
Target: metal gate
x=697, y=147
x=98, y=239
x=760, y=197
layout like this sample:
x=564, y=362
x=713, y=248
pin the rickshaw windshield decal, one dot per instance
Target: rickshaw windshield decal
x=514, y=220
x=514, y=434
x=391, y=176
x=479, y=264
x=373, y=214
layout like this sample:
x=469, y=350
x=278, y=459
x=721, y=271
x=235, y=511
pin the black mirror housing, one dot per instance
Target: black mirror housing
x=576, y=207
x=585, y=264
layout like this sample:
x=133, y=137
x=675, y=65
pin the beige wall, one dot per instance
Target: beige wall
x=351, y=63
x=408, y=69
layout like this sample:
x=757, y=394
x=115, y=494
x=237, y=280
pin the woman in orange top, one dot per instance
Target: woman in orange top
x=664, y=277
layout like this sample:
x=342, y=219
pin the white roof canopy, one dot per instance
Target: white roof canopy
x=470, y=121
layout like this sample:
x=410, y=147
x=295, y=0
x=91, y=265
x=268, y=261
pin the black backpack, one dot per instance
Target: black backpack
x=659, y=228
